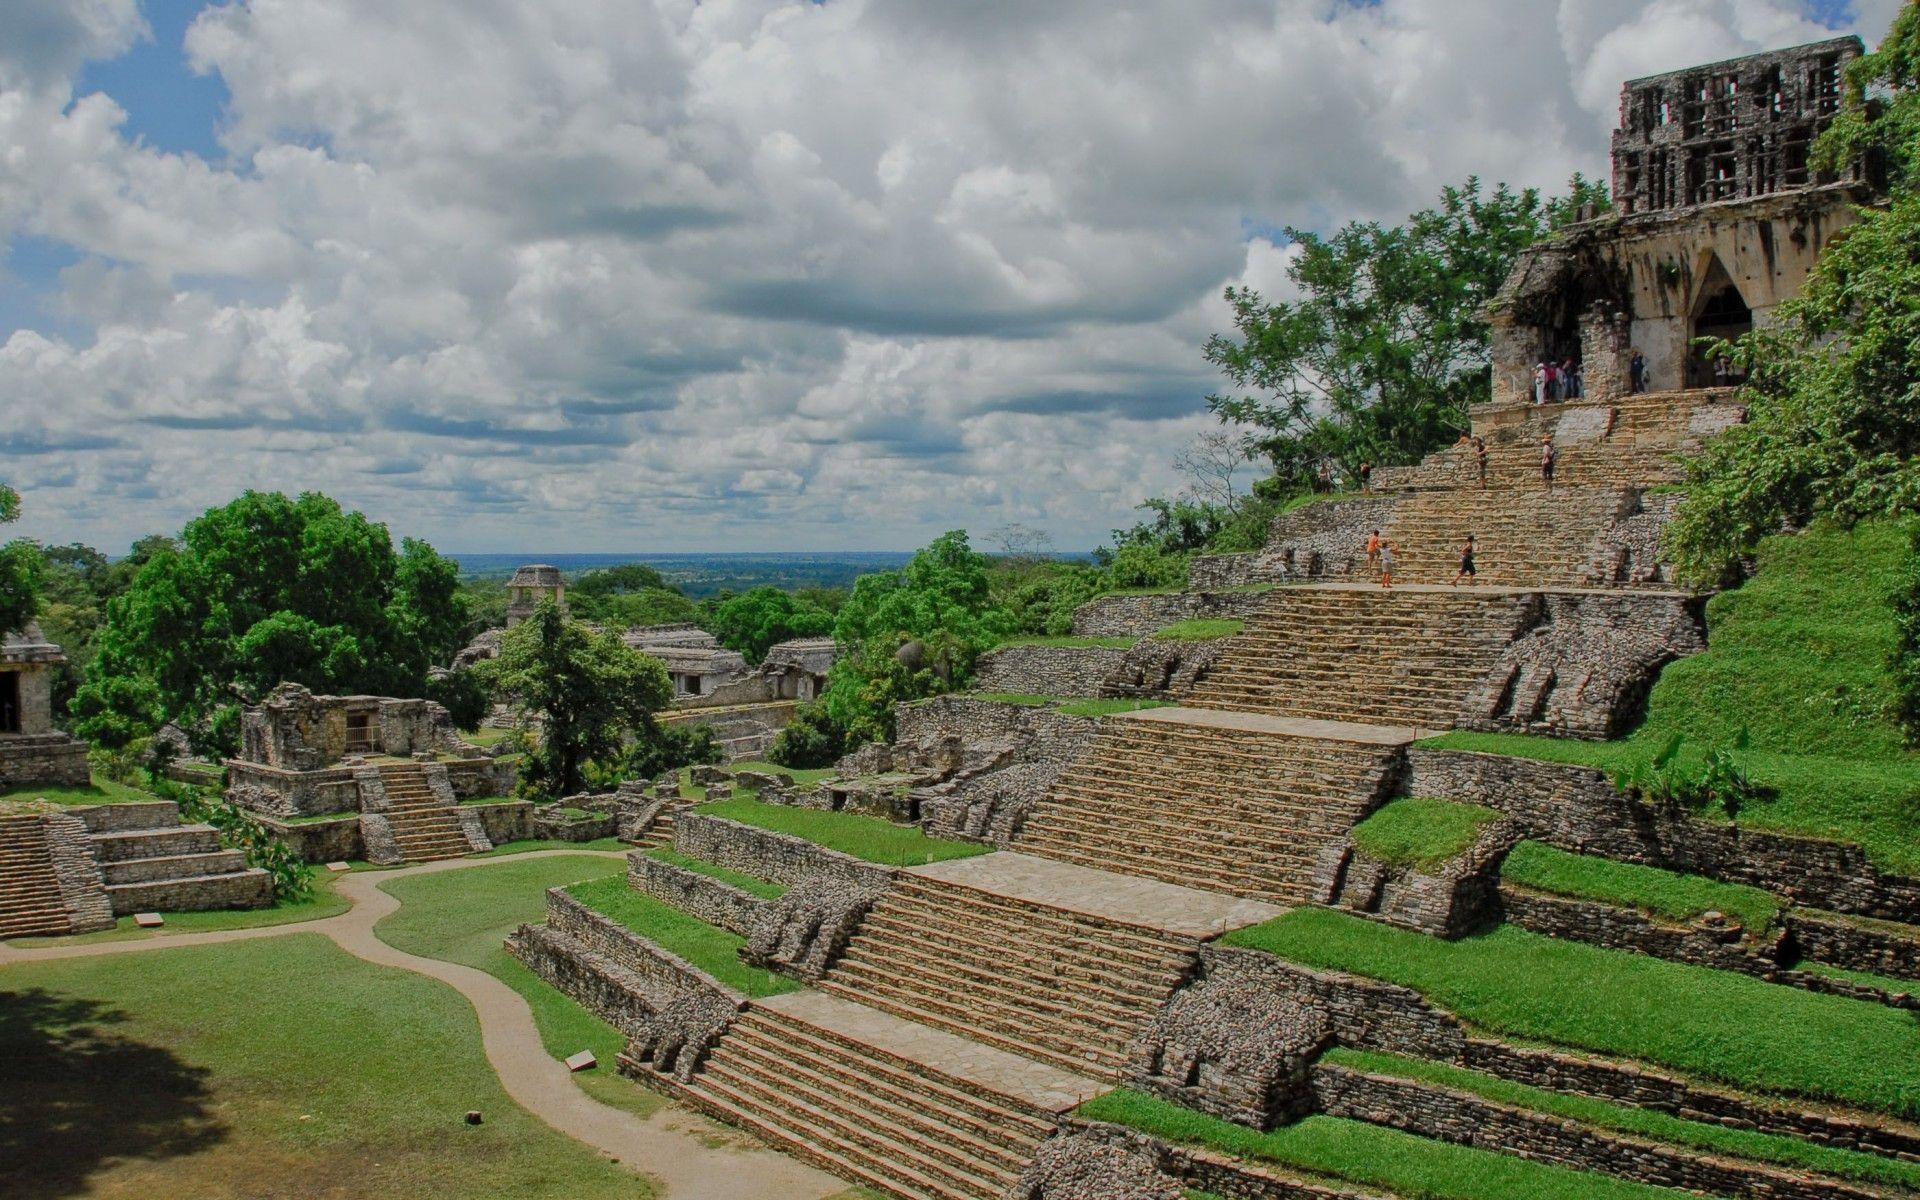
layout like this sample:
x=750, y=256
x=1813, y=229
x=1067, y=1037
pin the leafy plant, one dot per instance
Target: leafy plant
x=1673, y=778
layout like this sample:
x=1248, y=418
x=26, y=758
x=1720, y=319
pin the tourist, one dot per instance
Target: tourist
x=1366, y=477
x=1637, y=372
x=1722, y=371
x=1547, y=460
x=1555, y=382
x=1386, y=564
x=1373, y=552
x=1576, y=380
x=1323, y=478
x=1540, y=382
x=1466, y=570
x=1480, y=457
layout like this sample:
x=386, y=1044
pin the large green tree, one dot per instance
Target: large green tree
x=755, y=621
x=629, y=595
x=911, y=633
x=263, y=590
x=590, y=690
x=20, y=567
x=1379, y=357
x=1833, y=384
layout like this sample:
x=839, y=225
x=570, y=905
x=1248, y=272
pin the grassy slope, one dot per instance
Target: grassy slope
x=279, y=1068
x=102, y=791
x=1644, y=1122
x=1713, y=1024
x=1798, y=658
x=712, y=949
x=323, y=902
x=871, y=838
x=464, y=916
x=1421, y=833
x=751, y=884
x=1201, y=629
x=1370, y=1154
x=1662, y=893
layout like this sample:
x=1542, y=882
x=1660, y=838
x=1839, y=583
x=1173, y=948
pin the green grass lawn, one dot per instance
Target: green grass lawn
x=271, y=1069
x=323, y=901
x=507, y=849
x=874, y=839
x=1200, y=629
x=751, y=884
x=709, y=947
x=1421, y=833
x=487, y=737
x=1663, y=893
x=1798, y=658
x=1353, y=1150
x=101, y=791
x=1024, y=700
x=464, y=916
x=1717, y=1025
x=804, y=779
x=1644, y=1122
x=1077, y=643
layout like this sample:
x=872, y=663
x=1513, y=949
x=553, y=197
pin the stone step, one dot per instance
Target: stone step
x=120, y=818
x=249, y=888
x=156, y=843
x=179, y=866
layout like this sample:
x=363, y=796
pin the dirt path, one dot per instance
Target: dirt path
x=688, y=1157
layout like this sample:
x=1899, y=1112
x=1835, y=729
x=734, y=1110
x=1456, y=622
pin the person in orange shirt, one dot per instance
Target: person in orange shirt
x=1373, y=552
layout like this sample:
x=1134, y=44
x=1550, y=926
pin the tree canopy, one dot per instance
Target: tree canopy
x=589, y=689
x=1833, y=384
x=261, y=591
x=19, y=570
x=756, y=621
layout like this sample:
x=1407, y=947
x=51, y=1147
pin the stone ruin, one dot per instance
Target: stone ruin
x=529, y=586
x=32, y=751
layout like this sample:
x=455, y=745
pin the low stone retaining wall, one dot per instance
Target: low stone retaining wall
x=975, y=721
x=1093, y=1160
x=1578, y=809
x=83, y=888
x=712, y=900
x=339, y=839
x=1469, y=1120
x=1048, y=670
x=775, y=857
x=1139, y=614
x=742, y=732
x=51, y=760
x=1856, y=946
x=282, y=793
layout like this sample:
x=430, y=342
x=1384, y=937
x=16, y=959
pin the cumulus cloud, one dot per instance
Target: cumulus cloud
x=736, y=274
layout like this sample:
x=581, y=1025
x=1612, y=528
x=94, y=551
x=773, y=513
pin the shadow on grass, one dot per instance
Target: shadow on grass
x=76, y=1097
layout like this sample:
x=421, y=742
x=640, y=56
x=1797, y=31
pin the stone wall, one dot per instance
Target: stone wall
x=1014, y=754
x=974, y=722
x=1468, y=1120
x=336, y=839
x=1326, y=539
x=51, y=760
x=1163, y=668
x=743, y=733
x=280, y=793
x=1450, y=900
x=776, y=857
x=1585, y=665
x=1048, y=670
x=1109, y=1175
x=711, y=900
x=1139, y=614
x=1578, y=809
x=83, y=888
x=1856, y=945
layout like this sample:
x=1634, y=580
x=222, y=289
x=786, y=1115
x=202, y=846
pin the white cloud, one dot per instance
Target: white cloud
x=741, y=274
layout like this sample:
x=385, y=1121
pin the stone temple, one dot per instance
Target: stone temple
x=32, y=751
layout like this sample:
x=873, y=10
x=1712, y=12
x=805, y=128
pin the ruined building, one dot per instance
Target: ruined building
x=529, y=586
x=1719, y=216
x=32, y=751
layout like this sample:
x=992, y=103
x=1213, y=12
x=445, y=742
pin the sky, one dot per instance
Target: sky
x=656, y=275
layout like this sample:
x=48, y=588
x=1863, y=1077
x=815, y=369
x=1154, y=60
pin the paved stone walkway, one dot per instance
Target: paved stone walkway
x=1046, y=1087
x=1303, y=727
x=685, y=1155
x=1129, y=899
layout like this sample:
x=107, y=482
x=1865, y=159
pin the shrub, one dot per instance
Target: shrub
x=810, y=741
x=1670, y=778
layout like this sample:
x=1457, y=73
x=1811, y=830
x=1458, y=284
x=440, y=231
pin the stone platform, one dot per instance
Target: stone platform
x=1301, y=727
x=1044, y=1087
x=1123, y=899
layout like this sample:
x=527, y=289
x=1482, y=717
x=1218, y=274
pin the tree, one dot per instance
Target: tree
x=756, y=621
x=1379, y=358
x=261, y=590
x=20, y=570
x=810, y=741
x=907, y=634
x=1833, y=383
x=588, y=688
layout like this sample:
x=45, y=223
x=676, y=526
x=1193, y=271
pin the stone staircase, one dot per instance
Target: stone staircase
x=1405, y=656
x=31, y=903
x=898, y=1107
x=1527, y=536
x=425, y=827
x=1212, y=800
x=149, y=860
x=1051, y=983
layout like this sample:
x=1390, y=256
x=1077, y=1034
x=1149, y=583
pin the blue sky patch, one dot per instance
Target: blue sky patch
x=168, y=106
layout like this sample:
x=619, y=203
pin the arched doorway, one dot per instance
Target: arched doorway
x=1720, y=312
x=10, y=702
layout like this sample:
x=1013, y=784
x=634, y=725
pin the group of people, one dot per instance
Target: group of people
x=1563, y=380
x=1380, y=553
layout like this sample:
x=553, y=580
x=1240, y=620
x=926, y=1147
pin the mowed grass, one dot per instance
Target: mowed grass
x=101, y=791
x=1642, y=1122
x=323, y=901
x=1201, y=629
x=1421, y=833
x=709, y=947
x=804, y=778
x=1716, y=1025
x=1661, y=893
x=1370, y=1154
x=464, y=917
x=753, y=885
x=276, y=1069
x=1798, y=659
x=874, y=839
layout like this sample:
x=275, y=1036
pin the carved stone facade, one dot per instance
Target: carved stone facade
x=32, y=751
